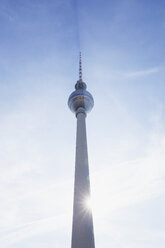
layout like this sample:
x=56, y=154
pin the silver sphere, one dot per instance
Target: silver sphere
x=80, y=98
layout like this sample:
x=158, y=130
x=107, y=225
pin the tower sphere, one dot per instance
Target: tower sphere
x=80, y=98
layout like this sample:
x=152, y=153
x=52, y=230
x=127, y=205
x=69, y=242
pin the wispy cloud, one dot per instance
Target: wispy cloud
x=119, y=190
x=134, y=181
x=119, y=74
x=129, y=183
x=34, y=228
x=42, y=211
x=140, y=73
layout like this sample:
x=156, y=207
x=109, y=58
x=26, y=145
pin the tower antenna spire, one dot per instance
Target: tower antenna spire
x=80, y=68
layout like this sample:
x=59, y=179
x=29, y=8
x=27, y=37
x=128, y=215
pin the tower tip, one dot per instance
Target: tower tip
x=80, y=68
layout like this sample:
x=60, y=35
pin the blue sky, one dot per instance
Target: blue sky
x=122, y=44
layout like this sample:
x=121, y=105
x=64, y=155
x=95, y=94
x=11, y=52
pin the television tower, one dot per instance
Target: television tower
x=81, y=102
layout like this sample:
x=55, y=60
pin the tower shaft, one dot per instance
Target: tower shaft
x=82, y=228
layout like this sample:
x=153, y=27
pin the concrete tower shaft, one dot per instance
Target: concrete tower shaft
x=82, y=229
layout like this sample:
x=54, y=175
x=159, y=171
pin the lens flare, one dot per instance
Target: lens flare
x=88, y=203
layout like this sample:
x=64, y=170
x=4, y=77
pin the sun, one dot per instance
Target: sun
x=88, y=203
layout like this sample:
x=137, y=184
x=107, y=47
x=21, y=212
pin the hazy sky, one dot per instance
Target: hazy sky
x=123, y=56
